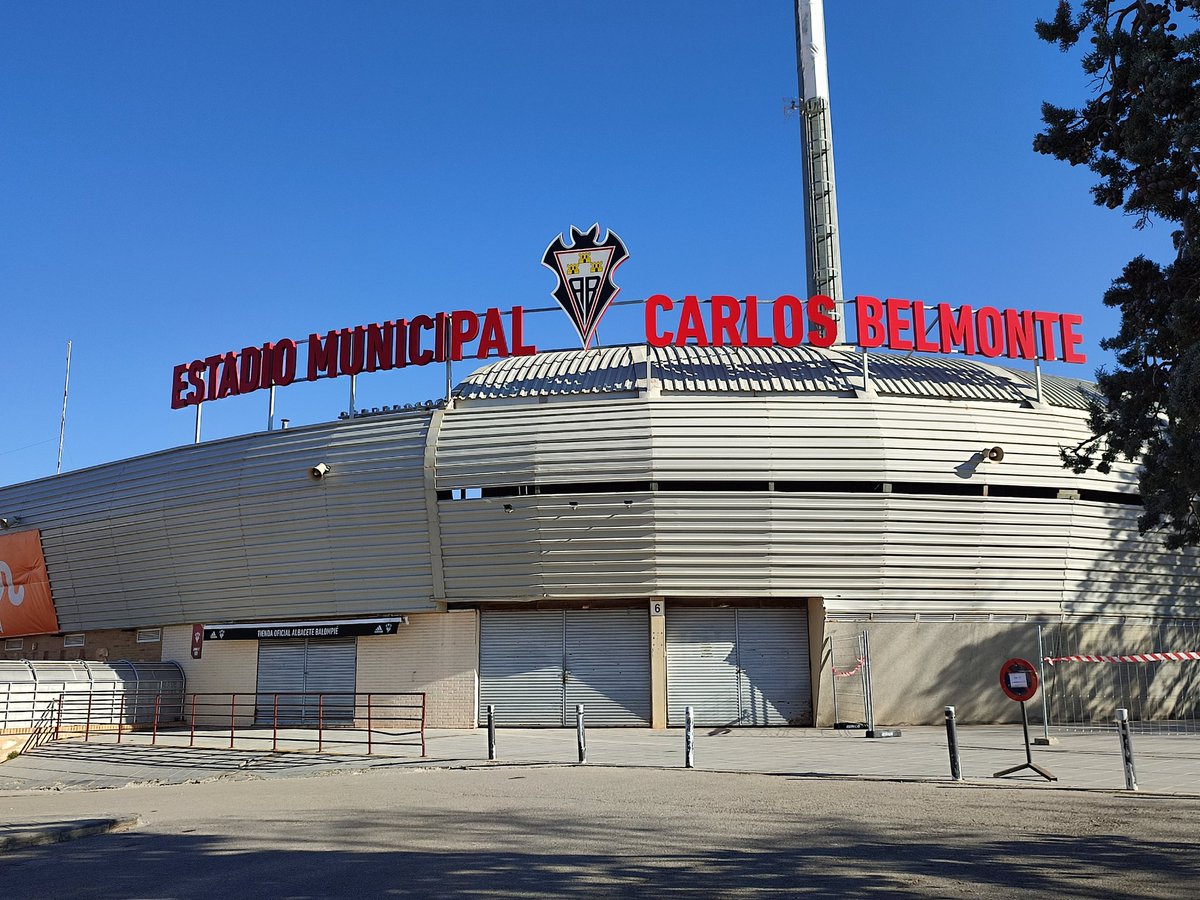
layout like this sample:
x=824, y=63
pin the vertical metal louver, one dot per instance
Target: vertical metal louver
x=536, y=666
x=738, y=666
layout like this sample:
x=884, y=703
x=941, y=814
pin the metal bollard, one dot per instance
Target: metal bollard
x=491, y=733
x=952, y=744
x=580, y=736
x=1126, y=749
x=689, y=738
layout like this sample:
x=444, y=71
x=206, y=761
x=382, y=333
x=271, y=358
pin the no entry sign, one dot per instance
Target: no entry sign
x=1019, y=679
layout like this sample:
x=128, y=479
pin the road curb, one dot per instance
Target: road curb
x=39, y=835
x=980, y=782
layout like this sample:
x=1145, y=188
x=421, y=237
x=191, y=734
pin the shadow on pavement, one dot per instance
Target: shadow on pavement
x=79, y=764
x=601, y=857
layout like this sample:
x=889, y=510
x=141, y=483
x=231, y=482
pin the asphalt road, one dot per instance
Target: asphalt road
x=572, y=831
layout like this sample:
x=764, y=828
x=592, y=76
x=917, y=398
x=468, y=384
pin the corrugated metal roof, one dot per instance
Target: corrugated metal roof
x=758, y=369
x=599, y=370
x=784, y=370
x=1059, y=391
x=948, y=377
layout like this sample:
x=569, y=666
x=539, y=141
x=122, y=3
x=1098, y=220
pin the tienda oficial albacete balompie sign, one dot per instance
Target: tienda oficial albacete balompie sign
x=585, y=290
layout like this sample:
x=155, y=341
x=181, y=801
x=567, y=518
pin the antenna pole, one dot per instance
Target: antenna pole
x=821, y=239
x=62, y=425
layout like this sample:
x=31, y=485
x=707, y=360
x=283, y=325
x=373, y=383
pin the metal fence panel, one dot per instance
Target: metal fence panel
x=1152, y=669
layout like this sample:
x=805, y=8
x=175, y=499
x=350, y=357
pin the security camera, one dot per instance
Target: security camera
x=8, y=522
x=318, y=471
x=993, y=454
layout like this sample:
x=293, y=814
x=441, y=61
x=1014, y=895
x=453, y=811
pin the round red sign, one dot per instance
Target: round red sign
x=1019, y=679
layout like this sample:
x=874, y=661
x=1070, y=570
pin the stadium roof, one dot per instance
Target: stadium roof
x=765, y=370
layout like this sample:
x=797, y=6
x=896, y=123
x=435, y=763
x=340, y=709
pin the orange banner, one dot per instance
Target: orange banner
x=26, y=606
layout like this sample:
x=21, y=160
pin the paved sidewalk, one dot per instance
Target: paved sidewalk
x=1168, y=765
x=1165, y=764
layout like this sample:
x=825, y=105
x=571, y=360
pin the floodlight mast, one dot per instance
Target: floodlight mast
x=821, y=240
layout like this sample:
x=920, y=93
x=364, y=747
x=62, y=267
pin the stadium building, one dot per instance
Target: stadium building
x=634, y=529
x=720, y=517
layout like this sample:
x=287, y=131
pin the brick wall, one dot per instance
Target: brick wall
x=223, y=667
x=109, y=645
x=437, y=653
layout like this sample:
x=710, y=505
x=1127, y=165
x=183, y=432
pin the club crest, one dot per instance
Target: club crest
x=585, y=269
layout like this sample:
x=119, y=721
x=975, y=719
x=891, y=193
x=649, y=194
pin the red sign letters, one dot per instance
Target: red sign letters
x=349, y=351
x=720, y=321
x=897, y=324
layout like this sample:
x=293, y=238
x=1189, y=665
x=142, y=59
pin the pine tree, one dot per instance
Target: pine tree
x=1140, y=134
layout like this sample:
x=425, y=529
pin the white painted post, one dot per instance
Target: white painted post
x=581, y=737
x=689, y=738
x=1126, y=749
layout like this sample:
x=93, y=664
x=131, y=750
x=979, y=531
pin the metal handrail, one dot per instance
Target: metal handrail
x=374, y=719
x=42, y=727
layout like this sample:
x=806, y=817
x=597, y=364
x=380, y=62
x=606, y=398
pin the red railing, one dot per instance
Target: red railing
x=335, y=722
x=44, y=729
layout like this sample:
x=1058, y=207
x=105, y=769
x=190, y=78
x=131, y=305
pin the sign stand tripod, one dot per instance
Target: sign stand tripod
x=1019, y=680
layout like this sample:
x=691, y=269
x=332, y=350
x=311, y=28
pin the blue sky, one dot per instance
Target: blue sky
x=181, y=179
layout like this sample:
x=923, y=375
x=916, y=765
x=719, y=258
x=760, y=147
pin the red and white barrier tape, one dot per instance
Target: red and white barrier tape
x=848, y=672
x=1177, y=656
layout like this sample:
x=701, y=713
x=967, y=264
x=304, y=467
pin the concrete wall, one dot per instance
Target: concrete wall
x=918, y=668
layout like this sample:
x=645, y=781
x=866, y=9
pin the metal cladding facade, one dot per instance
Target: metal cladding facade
x=239, y=528
x=774, y=473
x=617, y=475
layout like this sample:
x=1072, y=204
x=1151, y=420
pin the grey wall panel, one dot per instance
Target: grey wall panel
x=480, y=447
x=602, y=548
x=238, y=528
x=728, y=544
x=858, y=552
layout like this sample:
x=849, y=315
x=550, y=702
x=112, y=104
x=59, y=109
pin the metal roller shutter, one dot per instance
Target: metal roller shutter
x=738, y=666
x=521, y=667
x=774, y=684
x=330, y=669
x=293, y=672
x=608, y=665
x=702, y=665
x=280, y=673
x=536, y=666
